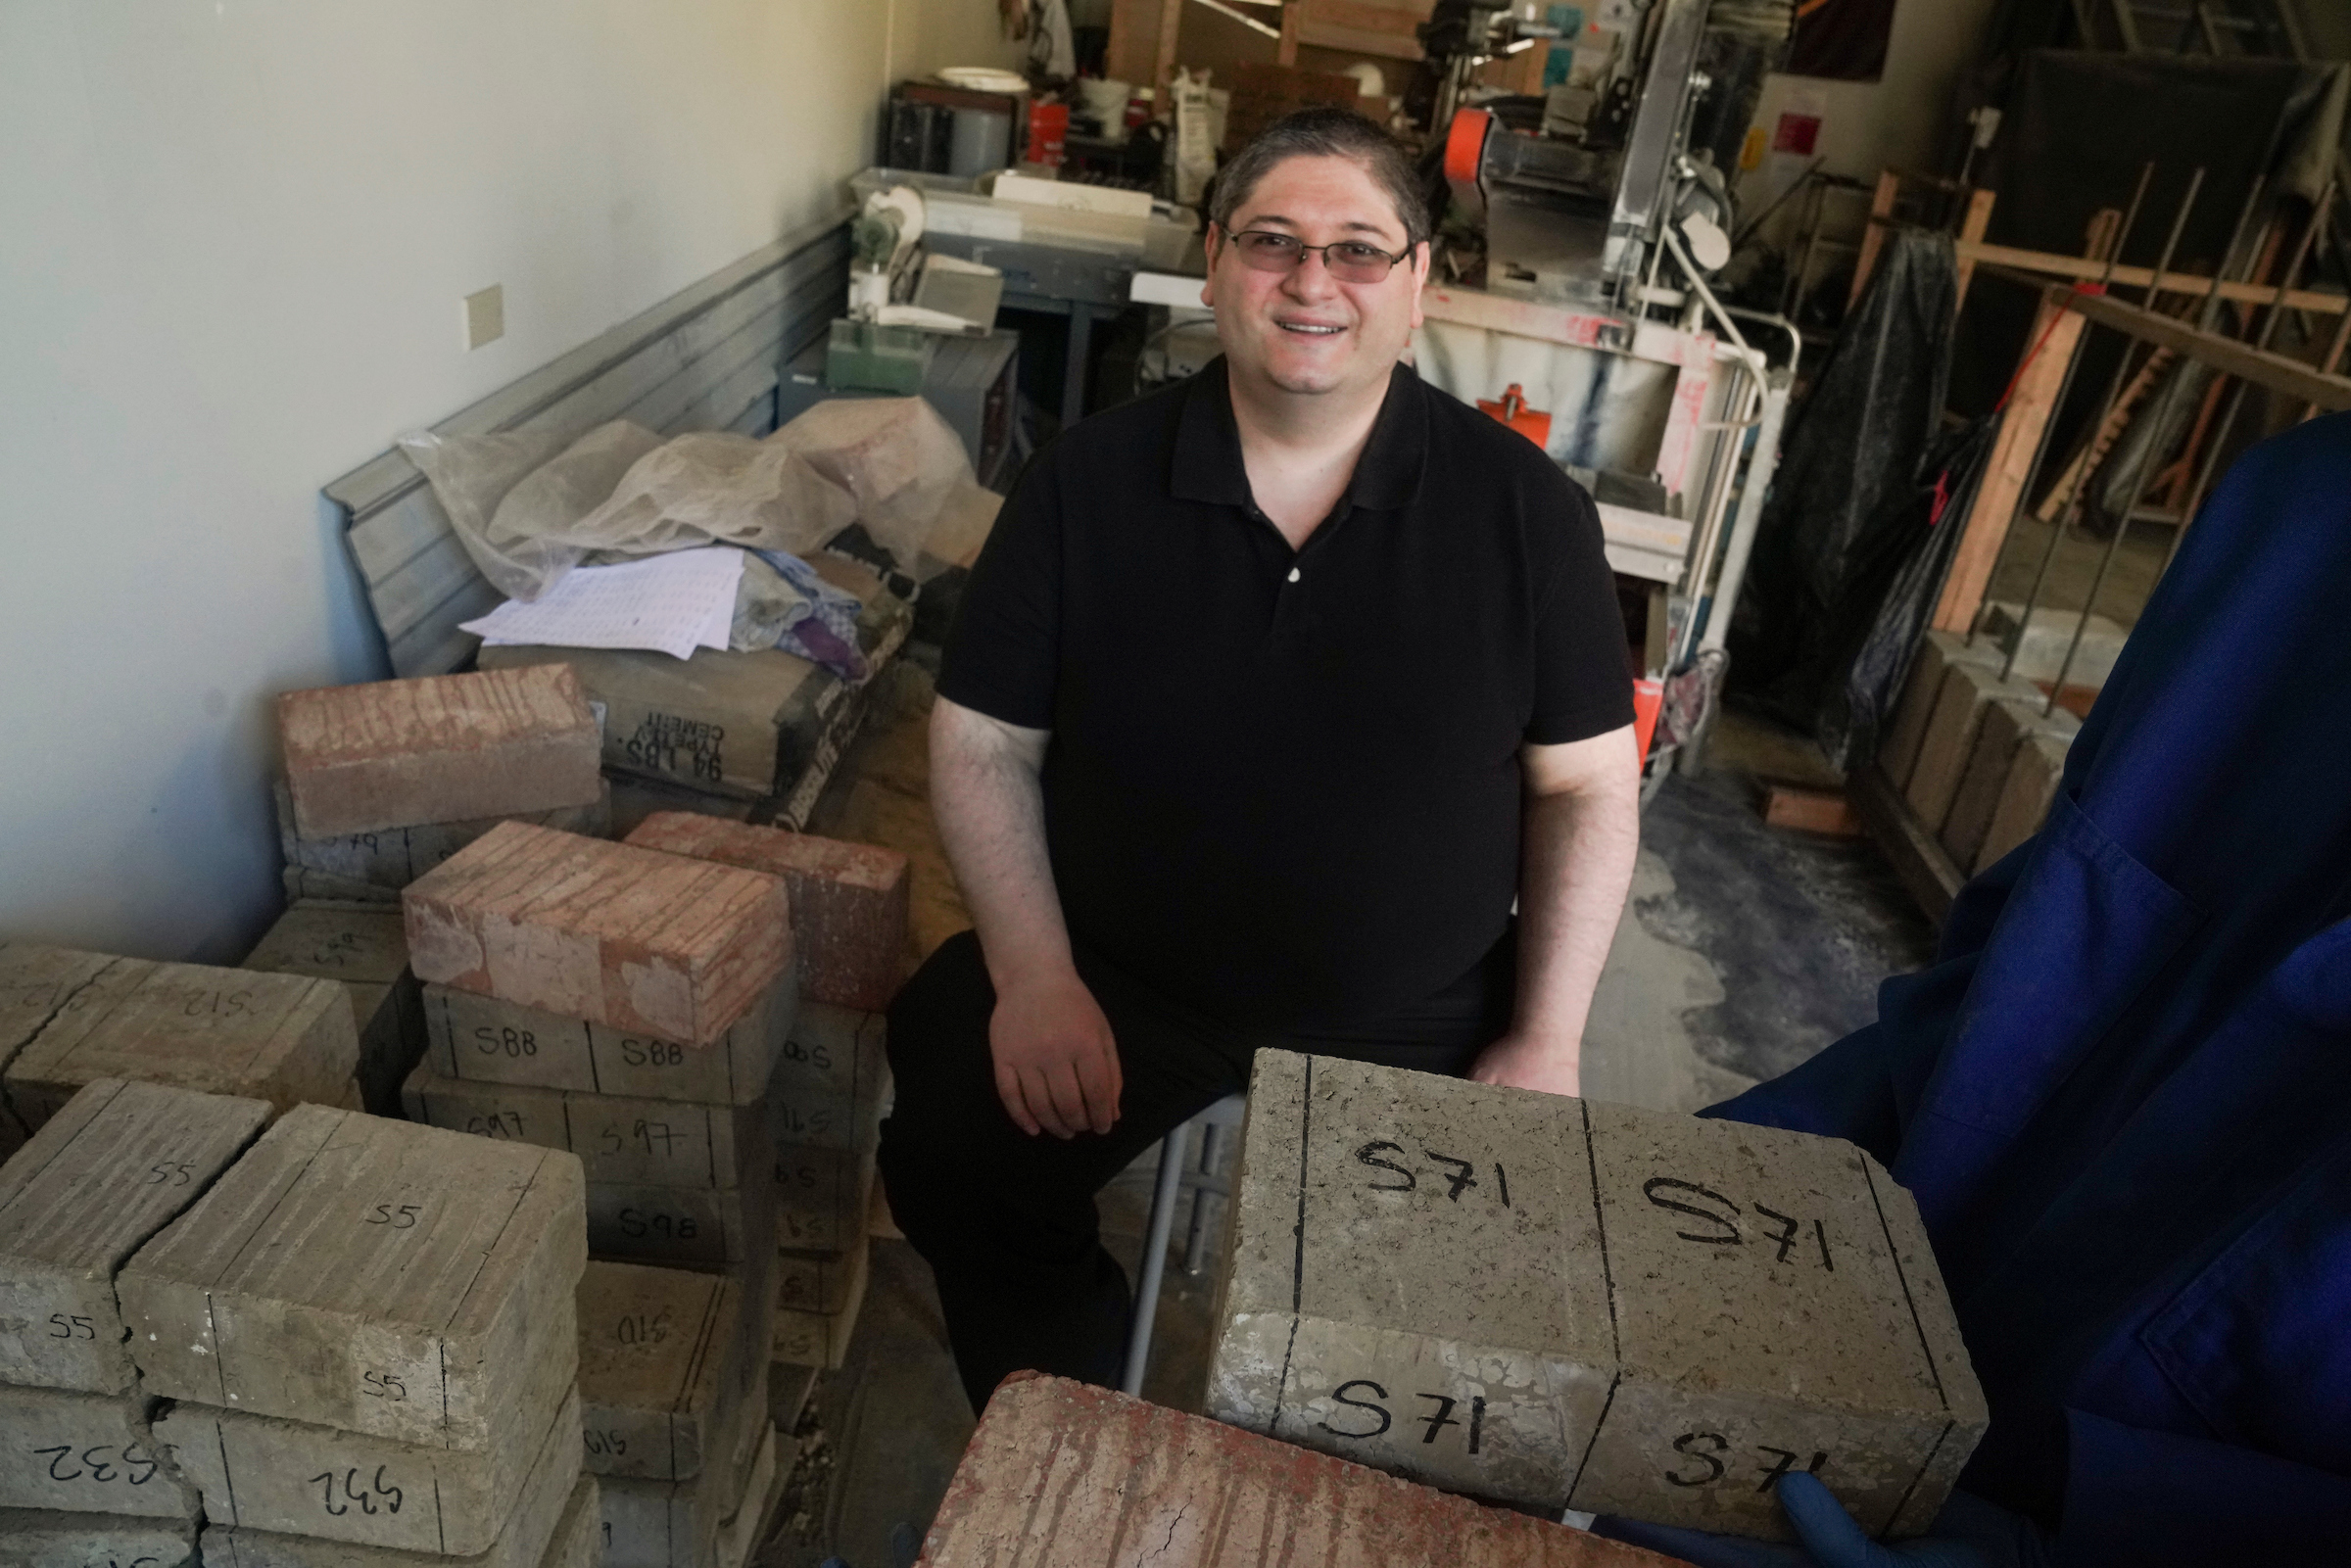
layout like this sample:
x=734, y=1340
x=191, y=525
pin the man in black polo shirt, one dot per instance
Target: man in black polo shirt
x=1271, y=695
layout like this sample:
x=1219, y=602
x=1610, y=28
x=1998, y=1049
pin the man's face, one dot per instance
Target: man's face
x=1305, y=331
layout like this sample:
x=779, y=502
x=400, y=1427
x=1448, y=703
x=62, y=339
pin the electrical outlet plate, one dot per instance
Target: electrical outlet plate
x=485, y=317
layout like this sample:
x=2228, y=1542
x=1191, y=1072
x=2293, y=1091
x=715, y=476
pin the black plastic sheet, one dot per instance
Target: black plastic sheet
x=1847, y=506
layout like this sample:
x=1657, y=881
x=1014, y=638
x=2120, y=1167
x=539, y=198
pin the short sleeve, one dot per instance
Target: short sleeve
x=1583, y=686
x=1002, y=656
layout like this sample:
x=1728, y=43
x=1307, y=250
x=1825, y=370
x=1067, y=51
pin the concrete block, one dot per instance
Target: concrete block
x=662, y=1143
x=664, y=1524
x=393, y=1280
x=88, y=1454
x=443, y=748
x=630, y=938
x=2034, y=777
x=291, y=1478
x=2044, y=642
x=379, y=864
x=482, y=1039
x=32, y=1538
x=807, y=1338
x=1938, y=651
x=818, y=1281
x=830, y=1077
x=742, y=724
x=823, y=1194
x=664, y=1371
x=366, y=947
x=848, y=901
x=1061, y=1475
x=115, y=1166
x=1951, y=737
x=579, y=1538
x=38, y=982
x=284, y=1038
x=544, y=1517
x=739, y=1534
x=2006, y=722
x=689, y=1227
x=1567, y=1304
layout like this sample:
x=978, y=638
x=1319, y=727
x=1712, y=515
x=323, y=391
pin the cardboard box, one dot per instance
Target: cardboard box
x=483, y=1040
x=115, y=1166
x=1568, y=1304
x=597, y=931
x=1062, y=1475
x=354, y=1272
x=441, y=749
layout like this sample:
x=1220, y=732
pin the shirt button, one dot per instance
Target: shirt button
x=1293, y=574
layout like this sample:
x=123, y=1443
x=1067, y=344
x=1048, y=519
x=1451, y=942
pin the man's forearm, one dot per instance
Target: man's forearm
x=990, y=807
x=1576, y=866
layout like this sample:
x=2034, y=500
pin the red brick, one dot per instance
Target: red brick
x=848, y=901
x=602, y=931
x=389, y=754
x=1063, y=1473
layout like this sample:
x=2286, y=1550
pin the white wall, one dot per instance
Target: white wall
x=236, y=234
x=1897, y=120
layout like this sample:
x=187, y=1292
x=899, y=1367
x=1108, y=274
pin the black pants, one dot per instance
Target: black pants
x=1007, y=1221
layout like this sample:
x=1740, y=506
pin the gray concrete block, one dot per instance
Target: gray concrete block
x=663, y=1524
x=2006, y=722
x=2044, y=642
x=2034, y=777
x=483, y=1040
x=681, y=1227
x=291, y=1478
x=393, y=1280
x=115, y=1166
x=664, y=1369
x=32, y=1538
x=822, y=1194
x=1938, y=651
x=37, y=983
x=806, y=1337
x=544, y=1517
x=1951, y=737
x=1568, y=1304
x=829, y=1075
x=816, y=1281
x=88, y=1454
x=364, y=946
x=579, y=1538
x=663, y=1143
x=389, y=859
x=283, y=1038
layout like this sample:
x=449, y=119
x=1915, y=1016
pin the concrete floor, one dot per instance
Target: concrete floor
x=1744, y=950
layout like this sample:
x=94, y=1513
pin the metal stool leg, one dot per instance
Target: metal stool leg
x=1155, y=1257
x=1205, y=1196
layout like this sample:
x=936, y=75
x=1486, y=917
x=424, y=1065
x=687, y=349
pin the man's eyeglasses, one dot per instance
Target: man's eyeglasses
x=1349, y=261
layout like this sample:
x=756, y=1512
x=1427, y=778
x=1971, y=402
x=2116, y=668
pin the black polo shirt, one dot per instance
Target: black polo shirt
x=1283, y=784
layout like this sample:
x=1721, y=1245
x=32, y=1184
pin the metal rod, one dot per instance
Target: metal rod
x=2146, y=468
x=2073, y=364
x=2236, y=393
x=2114, y=390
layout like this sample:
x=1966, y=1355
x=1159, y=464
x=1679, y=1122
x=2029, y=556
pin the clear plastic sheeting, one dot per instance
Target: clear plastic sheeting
x=1849, y=504
x=470, y=476
x=899, y=464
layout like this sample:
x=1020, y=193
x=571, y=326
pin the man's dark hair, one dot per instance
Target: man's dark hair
x=1323, y=131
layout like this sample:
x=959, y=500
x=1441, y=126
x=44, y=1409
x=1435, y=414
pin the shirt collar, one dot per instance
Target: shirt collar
x=1208, y=463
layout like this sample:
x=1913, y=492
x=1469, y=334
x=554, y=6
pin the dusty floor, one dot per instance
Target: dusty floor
x=1744, y=950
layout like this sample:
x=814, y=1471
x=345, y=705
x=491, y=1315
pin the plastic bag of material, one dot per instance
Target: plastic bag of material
x=1841, y=502
x=896, y=461
x=470, y=476
x=716, y=488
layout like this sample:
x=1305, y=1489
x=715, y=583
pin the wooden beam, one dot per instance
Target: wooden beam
x=2138, y=277
x=2228, y=355
x=1811, y=811
x=1134, y=27
x=1971, y=232
x=2051, y=346
x=1163, y=64
x=1873, y=238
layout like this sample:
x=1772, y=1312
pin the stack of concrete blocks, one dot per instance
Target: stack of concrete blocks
x=82, y=1477
x=673, y=1405
x=849, y=905
x=1061, y=1475
x=368, y=1328
x=69, y=1018
x=361, y=945
x=624, y=1005
x=1563, y=1304
x=386, y=780
x=1972, y=752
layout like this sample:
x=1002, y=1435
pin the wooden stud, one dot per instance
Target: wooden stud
x=1873, y=238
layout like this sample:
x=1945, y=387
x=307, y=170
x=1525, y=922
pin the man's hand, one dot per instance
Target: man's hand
x=1518, y=1063
x=1057, y=1066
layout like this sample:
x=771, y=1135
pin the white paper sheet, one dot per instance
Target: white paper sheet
x=672, y=603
